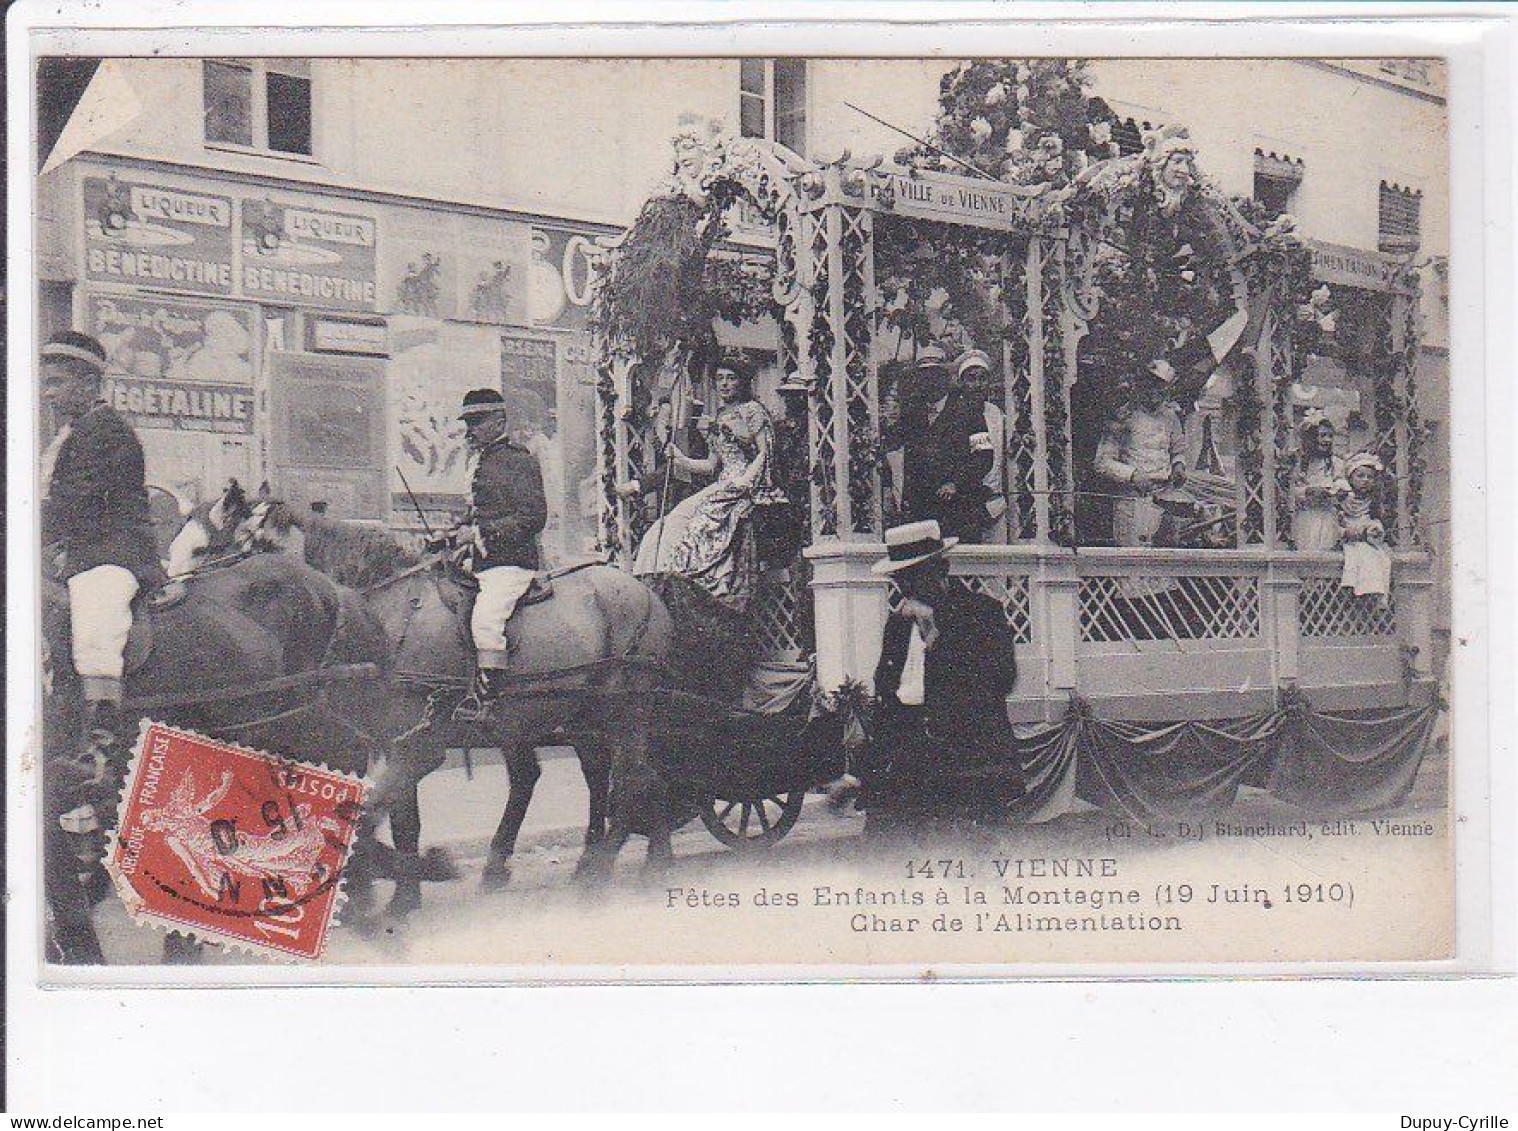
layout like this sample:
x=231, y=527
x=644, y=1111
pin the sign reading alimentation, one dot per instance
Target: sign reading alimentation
x=155, y=236
x=294, y=254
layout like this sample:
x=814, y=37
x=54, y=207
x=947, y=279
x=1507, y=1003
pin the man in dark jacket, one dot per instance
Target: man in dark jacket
x=95, y=515
x=946, y=453
x=507, y=512
x=947, y=664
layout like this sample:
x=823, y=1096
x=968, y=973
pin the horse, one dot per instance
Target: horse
x=261, y=620
x=210, y=530
x=585, y=662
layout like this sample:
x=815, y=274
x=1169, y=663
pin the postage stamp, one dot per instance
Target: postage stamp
x=233, y=845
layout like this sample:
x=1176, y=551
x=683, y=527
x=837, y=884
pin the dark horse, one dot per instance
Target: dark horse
x=584, y=663
x=238, y=626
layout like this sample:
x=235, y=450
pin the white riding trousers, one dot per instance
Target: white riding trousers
x=500, y=589
x=100, y=613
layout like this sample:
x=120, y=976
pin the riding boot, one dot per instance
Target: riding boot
x=493, y=682
x=478, y=706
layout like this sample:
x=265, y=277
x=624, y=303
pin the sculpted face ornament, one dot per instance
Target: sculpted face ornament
x=691, y=164
x=1172, y=164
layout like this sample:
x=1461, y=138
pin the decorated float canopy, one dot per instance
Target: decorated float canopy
x=1074, y=275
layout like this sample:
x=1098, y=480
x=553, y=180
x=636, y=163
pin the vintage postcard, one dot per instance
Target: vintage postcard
x=517, y=518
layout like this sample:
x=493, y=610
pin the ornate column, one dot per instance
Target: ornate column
x=827, y=471
x=1412, y=434
x=846, y=420
x=1388, y=410
x=1027, y=478
x=614, y=457
x=1262, y=423
x=1050, y=369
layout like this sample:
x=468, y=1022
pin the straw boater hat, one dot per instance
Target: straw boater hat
x=912, y=544
x=71, y=345
x=481, y=402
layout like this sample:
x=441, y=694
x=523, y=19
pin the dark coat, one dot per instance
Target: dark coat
x=943, y=451
x=970, y=670
x=954, y=757
x=508, y=506
x=97, y=500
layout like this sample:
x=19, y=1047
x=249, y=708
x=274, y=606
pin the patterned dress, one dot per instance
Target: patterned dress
x=717, y=549
x=1315, y=526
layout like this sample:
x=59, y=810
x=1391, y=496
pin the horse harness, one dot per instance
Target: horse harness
x=439, y=686
x=323, y=676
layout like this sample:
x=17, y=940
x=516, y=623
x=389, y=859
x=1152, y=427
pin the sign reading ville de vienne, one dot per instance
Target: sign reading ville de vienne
x=957, y=200
x=152, y=236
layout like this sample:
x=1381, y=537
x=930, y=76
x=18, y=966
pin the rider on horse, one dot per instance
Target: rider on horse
x=507, y=512
x=95, y=511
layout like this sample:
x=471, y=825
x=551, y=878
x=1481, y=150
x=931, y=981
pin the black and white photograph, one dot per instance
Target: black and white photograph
x=777, y=511
x=504, y=516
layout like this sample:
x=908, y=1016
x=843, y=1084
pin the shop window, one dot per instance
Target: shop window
x=1276, y=180
x=1399, y=219
x=262, y=104
x=772, y=101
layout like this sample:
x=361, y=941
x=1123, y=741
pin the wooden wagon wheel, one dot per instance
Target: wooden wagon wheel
x=750, y=823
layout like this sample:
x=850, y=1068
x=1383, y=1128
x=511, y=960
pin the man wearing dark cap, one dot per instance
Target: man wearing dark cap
x=946, y=453
x=507, y=512
x=95, y=515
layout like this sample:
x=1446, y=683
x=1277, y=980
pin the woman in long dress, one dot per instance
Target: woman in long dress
x=716, y=548
x=1315, y=519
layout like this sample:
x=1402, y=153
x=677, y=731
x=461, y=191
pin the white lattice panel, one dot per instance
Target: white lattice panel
x=778, y=619
x=1184, y=607
x=1327, y=610
x=1011, y=593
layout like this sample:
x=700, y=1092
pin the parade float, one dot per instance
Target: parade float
x=1150, y=677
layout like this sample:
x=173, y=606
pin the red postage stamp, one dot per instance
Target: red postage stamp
x=233, y=845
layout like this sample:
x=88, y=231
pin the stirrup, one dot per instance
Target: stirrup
x=474, y=708
x=170, y=594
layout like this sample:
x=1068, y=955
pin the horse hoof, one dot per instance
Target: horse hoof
x=496, y=876
x=591, y=872
x=439, y=866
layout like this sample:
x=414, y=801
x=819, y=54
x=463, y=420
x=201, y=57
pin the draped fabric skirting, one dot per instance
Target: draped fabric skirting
x=1325, y=764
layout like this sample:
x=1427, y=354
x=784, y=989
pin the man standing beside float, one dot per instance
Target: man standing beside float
x=943, y=741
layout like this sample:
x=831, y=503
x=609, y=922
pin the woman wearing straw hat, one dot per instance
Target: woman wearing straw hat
x=947, y=665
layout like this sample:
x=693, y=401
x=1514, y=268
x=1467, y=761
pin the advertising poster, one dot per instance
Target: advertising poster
x=176, y=364
x=418, y=264
x=329, y=432
x=432, y=365
x=493, y=265
x=153, y=236
x=173, y=339
x=297, y=254
x=561, y=277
